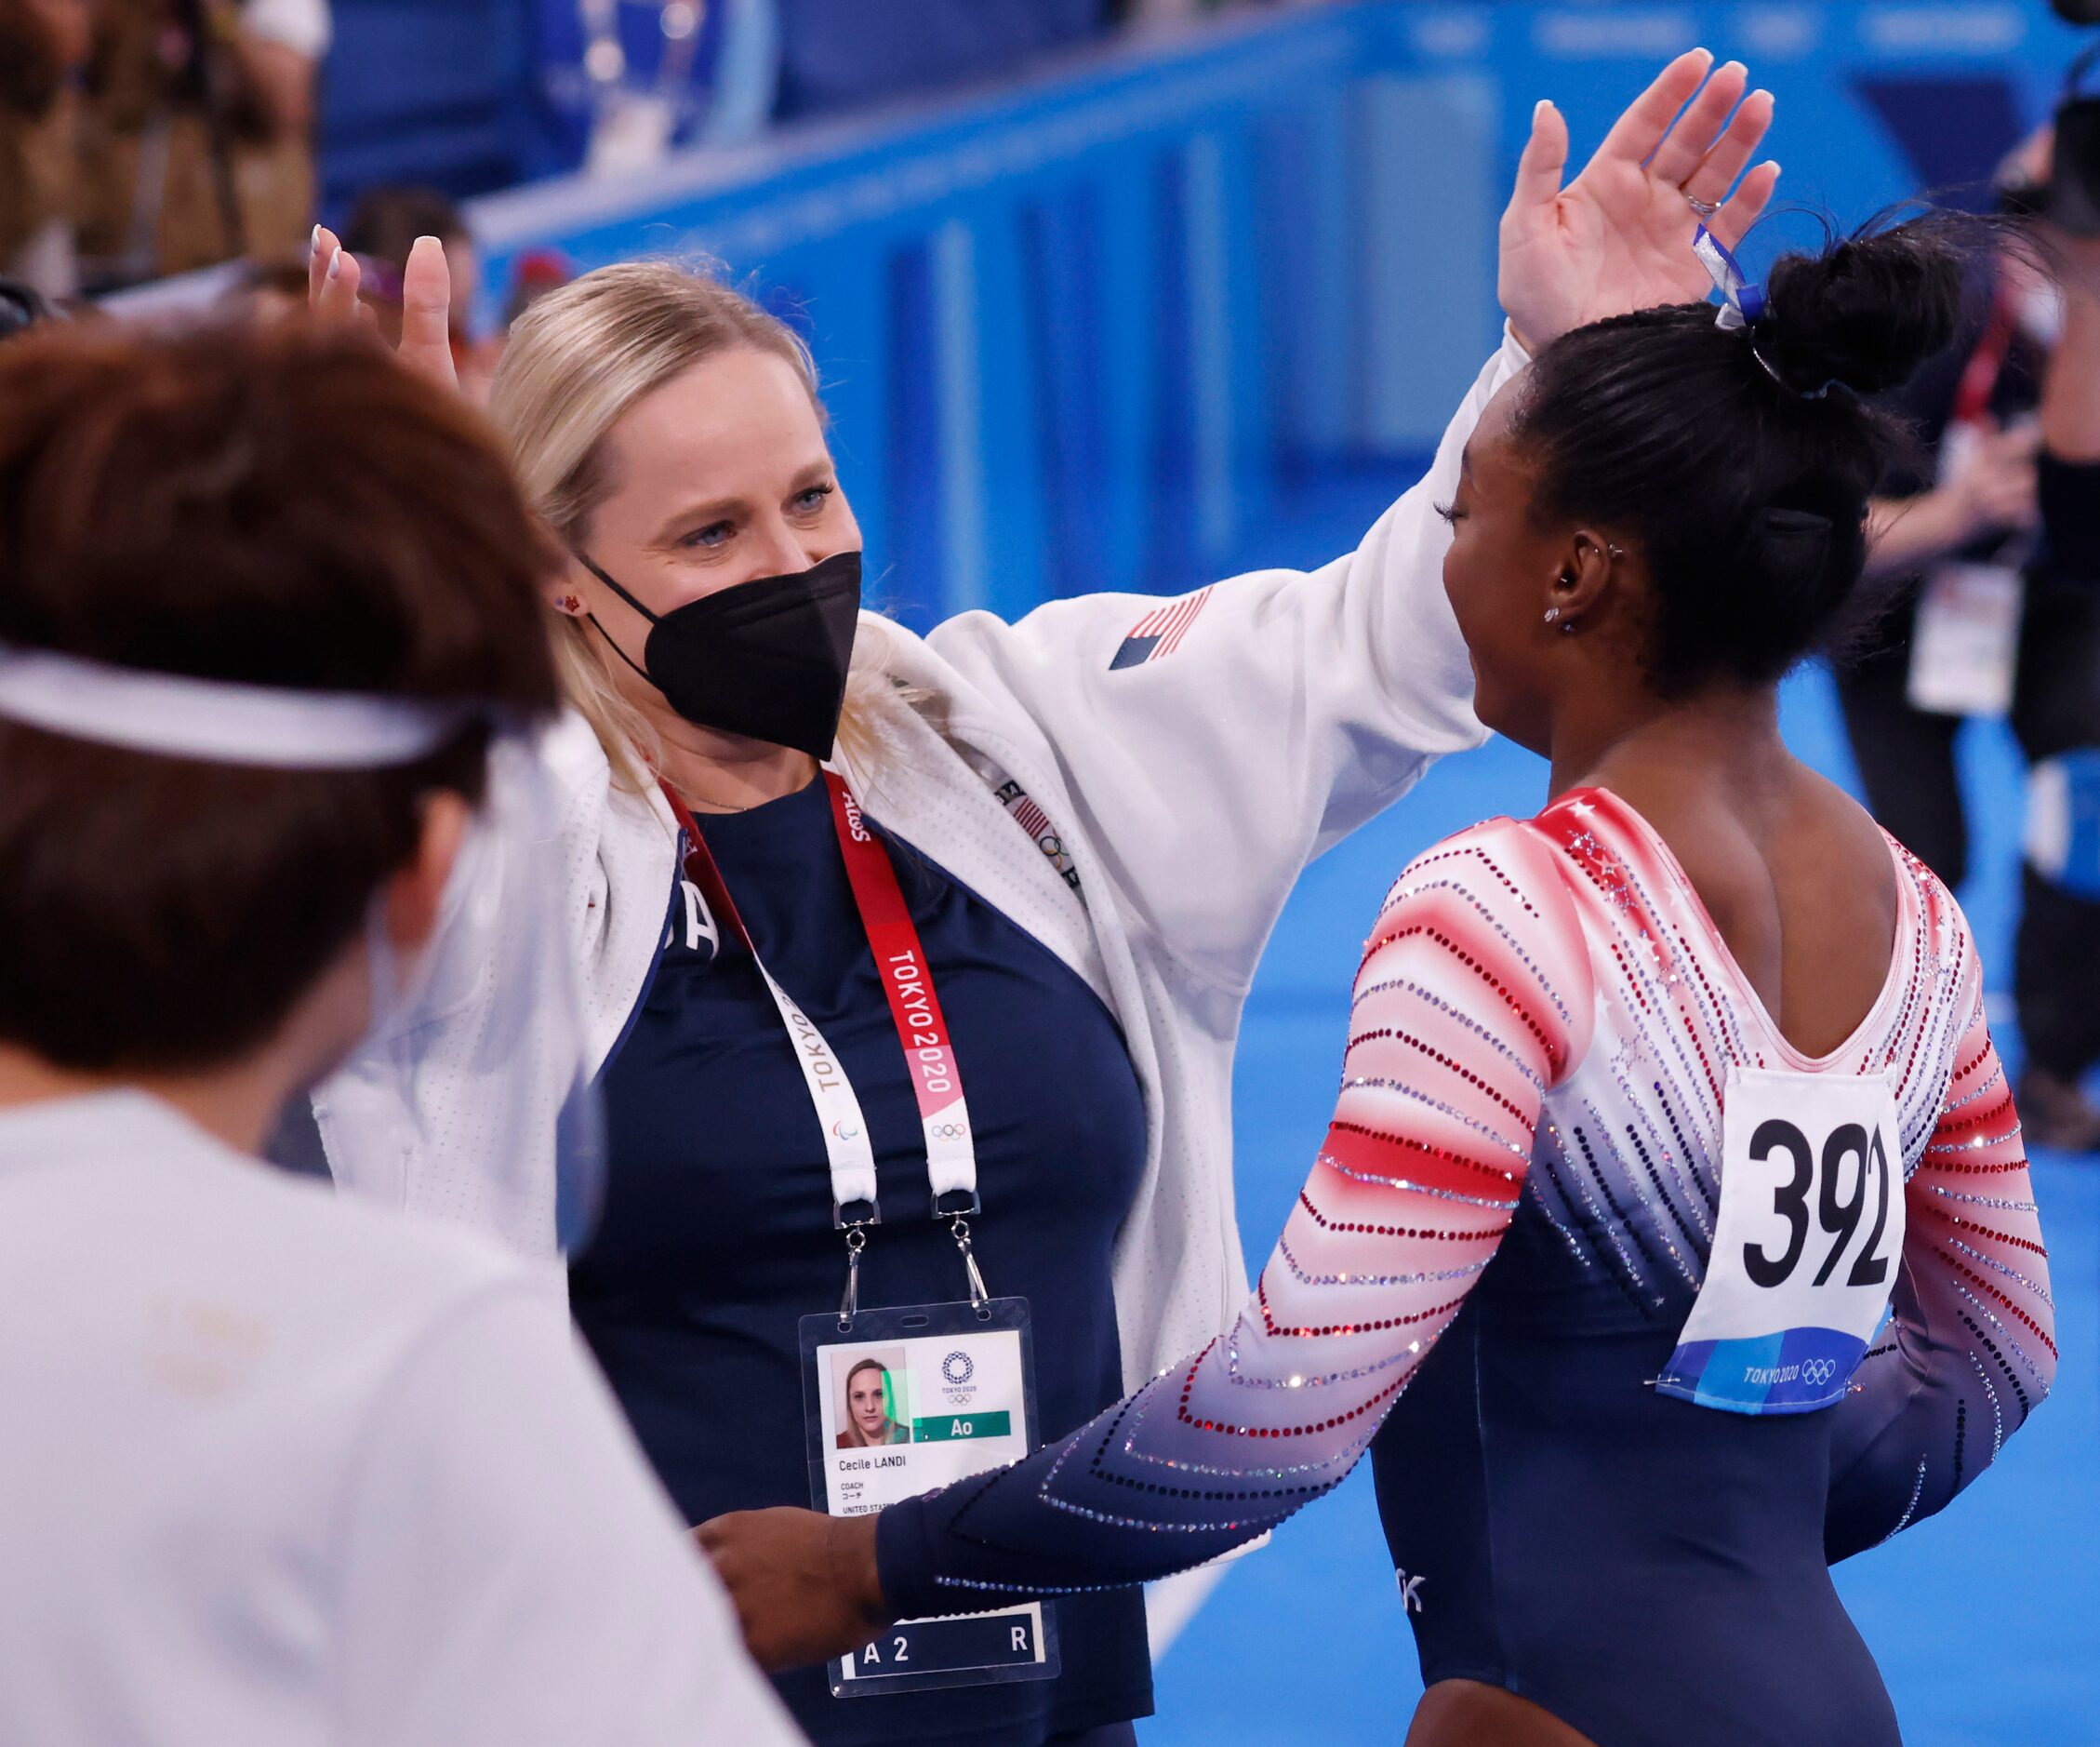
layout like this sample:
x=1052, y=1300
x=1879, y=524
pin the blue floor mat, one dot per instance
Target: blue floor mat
x=1983, y=1619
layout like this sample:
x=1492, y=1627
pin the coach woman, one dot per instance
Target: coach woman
x=1079, y=853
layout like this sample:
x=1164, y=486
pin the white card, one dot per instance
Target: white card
x=1964, y=649
x=904, y=1416
x=1805, y=1249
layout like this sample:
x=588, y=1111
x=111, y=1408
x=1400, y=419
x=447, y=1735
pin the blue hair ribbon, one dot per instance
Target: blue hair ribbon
x=1742, y=298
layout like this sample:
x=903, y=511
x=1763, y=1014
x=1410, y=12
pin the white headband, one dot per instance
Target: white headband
x=219, y=722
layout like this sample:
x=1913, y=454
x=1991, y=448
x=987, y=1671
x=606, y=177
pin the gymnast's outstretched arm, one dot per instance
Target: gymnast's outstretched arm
x=1473, y=999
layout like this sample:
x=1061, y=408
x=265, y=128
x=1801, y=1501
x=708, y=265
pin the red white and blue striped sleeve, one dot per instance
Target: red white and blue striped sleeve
x=1971, y=1349
x=1473, y=998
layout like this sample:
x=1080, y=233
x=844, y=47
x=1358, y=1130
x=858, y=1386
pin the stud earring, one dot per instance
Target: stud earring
x=571, y=605
x=1551, y=613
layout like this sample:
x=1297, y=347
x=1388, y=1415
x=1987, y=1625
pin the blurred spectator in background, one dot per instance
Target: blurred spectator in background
x=20, y=307
x=538, y=271
x=44, y=48
x=625, y=81
x=265, y=291
x=630, y=79
x=843, y=54
x=197, y=137
x=1997, y=614
x=2056, y=715
x=380, y=229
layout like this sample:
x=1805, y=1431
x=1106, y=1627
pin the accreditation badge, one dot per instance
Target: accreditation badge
x=898, y=1402
x=1965, y=644
x=1806, y=1246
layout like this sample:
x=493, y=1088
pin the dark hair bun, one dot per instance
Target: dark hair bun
x=1865, y=312
x=1716, y=448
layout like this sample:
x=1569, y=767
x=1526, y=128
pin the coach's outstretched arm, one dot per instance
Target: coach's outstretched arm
x=1295, y=705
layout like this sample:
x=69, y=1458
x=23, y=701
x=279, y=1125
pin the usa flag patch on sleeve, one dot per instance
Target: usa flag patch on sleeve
x=1160, y=632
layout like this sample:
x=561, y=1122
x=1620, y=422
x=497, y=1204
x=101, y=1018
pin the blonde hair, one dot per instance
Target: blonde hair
x=576, y=361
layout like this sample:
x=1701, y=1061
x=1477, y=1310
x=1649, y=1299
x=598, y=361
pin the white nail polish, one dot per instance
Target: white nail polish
x=315, y=243
x=335, y=263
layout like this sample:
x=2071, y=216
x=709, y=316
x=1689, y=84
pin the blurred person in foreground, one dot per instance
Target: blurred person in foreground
x=279, y=1467
x=195, y=143
x=1988, y=526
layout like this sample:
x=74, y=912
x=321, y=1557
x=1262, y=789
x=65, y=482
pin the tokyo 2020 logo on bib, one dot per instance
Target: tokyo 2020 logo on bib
x=958, y=1367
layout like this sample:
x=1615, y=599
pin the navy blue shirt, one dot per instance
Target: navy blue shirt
x=717, y=1234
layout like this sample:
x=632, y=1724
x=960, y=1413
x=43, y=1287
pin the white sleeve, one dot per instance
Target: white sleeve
x=303, y=26
x=1279, y=711
x=511, y=1573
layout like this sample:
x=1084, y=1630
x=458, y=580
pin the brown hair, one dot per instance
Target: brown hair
x=279, y=506
x=387, y=218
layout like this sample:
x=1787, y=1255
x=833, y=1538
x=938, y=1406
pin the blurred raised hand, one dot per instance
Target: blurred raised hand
x=332, y=276
x=1619, y=236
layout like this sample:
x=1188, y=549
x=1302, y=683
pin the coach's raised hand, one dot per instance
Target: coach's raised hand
x=1619, y=236
x=332, y=277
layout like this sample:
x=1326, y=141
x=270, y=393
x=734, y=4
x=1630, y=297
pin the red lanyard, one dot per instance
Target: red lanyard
x=1971, y=398
x=908, y=983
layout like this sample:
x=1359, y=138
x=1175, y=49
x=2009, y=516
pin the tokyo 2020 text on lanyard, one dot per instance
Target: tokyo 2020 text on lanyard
x=899, y=1400
x=922, y=1031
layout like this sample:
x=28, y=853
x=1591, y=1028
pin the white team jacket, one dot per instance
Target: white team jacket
x=1187, y=792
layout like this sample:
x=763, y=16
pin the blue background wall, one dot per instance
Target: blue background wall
x=1092, y=331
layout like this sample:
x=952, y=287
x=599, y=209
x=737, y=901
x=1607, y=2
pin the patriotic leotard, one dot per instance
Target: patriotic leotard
x=1509, y=1222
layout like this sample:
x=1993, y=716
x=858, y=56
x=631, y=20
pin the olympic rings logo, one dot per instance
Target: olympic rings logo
x=958, y=1367
x=948, y=1131
x=1819, y=1372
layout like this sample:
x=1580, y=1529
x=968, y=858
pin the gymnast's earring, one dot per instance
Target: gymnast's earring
x=1553, y=613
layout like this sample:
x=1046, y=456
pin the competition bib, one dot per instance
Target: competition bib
x=1806, y=1247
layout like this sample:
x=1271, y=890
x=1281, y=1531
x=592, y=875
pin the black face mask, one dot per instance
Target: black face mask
x=766, y=659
